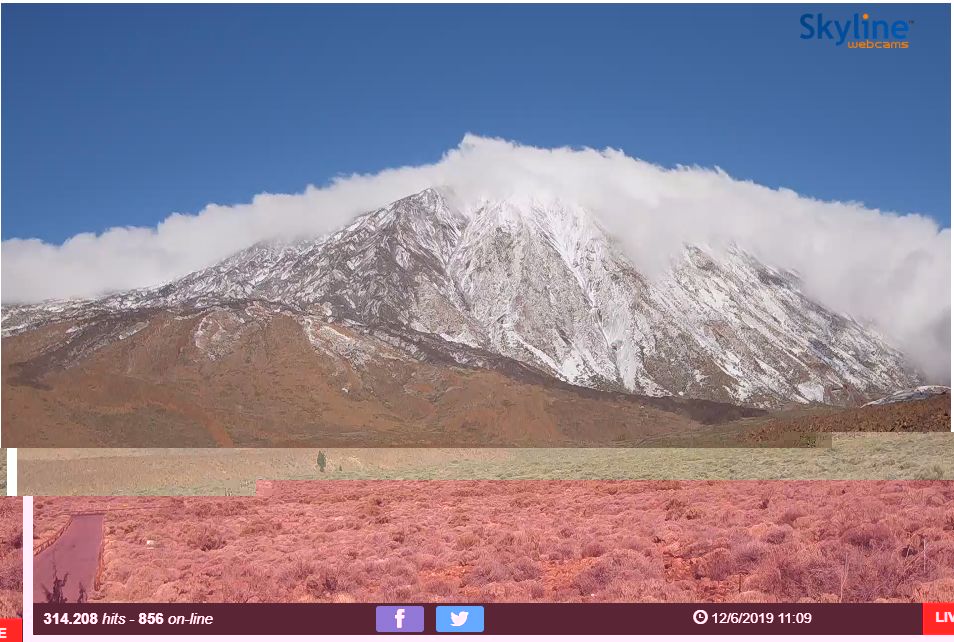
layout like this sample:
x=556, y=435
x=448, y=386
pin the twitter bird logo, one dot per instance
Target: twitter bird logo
x=460, y=619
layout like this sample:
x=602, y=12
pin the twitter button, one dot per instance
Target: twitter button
x=460, y=619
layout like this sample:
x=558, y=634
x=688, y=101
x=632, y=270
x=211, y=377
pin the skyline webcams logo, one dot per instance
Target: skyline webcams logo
x=859, y=31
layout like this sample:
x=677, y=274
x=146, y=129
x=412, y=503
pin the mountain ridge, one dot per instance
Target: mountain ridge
x=540, y=283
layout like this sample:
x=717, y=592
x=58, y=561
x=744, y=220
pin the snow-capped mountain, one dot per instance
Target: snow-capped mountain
x=533, y=281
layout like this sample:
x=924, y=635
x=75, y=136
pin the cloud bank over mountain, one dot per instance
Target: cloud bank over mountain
x=891, y=270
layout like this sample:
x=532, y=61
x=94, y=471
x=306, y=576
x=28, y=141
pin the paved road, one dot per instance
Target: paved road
x=76, y=552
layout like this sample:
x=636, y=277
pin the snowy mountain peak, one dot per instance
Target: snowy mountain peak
x=538, y=281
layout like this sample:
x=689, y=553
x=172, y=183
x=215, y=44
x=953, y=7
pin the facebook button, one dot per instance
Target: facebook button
x=399, y=619
x=460, y=619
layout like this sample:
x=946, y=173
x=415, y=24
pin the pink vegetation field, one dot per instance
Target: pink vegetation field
x=11, y=557
x=517, y=541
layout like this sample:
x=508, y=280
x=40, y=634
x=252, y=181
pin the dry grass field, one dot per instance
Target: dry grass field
x=515, y=541
x=211, y=471
x=11, y=557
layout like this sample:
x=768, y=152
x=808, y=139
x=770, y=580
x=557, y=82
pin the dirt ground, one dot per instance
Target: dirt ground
x=513, y=541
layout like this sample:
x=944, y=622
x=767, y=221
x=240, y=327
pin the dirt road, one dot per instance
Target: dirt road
x=74, y=556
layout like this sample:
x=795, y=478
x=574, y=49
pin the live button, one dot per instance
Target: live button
x=11, y=630
x=938, y=618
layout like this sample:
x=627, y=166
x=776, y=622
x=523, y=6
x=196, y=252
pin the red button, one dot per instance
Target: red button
x=11, y=630
x=938, y=618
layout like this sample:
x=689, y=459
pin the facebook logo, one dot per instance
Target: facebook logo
x=460, y=619
x=399, y=619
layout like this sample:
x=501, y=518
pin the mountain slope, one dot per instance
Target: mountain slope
x=250, y=374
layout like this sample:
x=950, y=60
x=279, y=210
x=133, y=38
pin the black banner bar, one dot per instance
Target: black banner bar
x=511, y=619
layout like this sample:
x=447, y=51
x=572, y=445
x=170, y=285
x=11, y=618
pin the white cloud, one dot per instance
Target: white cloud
x=892, y=270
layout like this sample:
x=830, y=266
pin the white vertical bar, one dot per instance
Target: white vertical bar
x=27, y=568
x=11, y=471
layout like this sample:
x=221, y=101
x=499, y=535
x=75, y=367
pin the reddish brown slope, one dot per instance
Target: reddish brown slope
x=924, y=415
x=209, y=380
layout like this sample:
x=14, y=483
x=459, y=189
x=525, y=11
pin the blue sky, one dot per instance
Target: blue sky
x=120, y=115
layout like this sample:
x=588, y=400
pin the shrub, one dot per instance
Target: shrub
x=718, y=565
x=593, y=548
x=563, y=551
x=747, y=555
x=535, y=589
x=488, y=572
x=777, y=534
x=790, y=574
x=884, y=574
x=934, y=472
x=596, y=578
x=790, y=515
x=614, y=571
x=300, y=569
x=246, y=584
x=867, y=536
x=467, y=539
x=439, y=588
x=206, y=538
x=675, y=508
x=523, y=569
x=261, y=526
